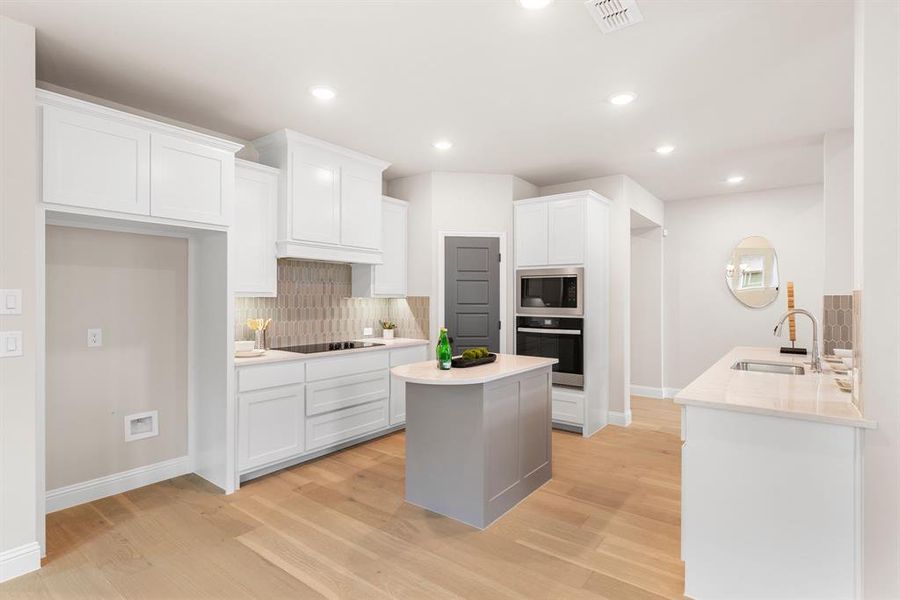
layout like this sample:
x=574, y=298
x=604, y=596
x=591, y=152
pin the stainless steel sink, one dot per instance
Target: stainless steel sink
x=762, y=366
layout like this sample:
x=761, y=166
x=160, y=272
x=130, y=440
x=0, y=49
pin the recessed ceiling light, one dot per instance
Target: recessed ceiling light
x=443, y=144
x=323, y=92
x=665, y=149
x=534, y=4
x=622, y=98
x=735, y=179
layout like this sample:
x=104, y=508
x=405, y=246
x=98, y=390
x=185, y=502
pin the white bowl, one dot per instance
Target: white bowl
x=244, y=345
x=843, y=352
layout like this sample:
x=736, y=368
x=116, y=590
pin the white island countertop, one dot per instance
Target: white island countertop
x=812, y=396
x=506, y=365
x=273, y=356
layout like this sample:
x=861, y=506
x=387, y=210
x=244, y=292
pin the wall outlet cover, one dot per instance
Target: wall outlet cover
x=141, y=425
x=94, y=338
x=10, y=344
x=10, y=302
x=367, y=331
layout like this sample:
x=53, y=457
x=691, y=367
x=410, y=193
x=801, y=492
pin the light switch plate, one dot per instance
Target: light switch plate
x=10, y=302
x=10, y=344
x=95, y=338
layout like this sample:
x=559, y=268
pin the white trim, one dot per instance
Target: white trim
x=504, y=258
x=284, y=136
x=564, y=196
x=670, y=392
x=647, y=391
x=622, y=419
x=20, y=560
x=40, y=400
x=88, y=491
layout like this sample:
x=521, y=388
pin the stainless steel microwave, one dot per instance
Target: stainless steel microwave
x=555, y=291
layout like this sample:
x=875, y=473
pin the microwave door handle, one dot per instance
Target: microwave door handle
x=549, y=331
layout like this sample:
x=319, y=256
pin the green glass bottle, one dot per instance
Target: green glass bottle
x=443, y=351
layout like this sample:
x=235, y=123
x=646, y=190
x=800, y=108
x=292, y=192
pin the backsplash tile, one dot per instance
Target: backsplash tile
x=314, y=305
x=837, y=323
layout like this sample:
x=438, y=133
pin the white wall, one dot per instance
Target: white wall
x=19, y=551
x=624, y=194
x=458, y=202
x=702, y=319
x=647, y=308
x=838, y=207
x=877, y=273
x=133, y=287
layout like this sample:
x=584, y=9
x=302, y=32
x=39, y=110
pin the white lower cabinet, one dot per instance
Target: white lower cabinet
x=568, y=406
x=281, y=419
x=403, y=356
x=271, y=426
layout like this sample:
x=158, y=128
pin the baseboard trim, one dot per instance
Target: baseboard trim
x=20, y=560
x=88, y=491
x=647, y=391
x=622, y=419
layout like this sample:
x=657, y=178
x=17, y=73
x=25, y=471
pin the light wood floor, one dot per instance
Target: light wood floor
x=606, y=526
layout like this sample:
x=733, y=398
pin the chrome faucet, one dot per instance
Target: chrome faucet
x=816, y=364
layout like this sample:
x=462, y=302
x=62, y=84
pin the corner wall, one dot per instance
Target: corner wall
x=19, y=548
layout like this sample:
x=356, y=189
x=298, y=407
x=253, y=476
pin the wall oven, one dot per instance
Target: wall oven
x=550, y=292
x=554, y=337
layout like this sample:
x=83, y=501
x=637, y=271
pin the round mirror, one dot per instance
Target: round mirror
x=752, y=272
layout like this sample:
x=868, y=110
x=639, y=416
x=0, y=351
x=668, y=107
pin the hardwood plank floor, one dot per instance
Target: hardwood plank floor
x=606, y=526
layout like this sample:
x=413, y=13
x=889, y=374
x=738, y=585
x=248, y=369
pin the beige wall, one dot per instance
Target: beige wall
x=133, y=287
x=18, y=262
x=646, y=308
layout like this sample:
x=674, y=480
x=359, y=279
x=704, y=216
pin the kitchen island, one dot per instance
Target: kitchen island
x=477, y=439
x=770, y=481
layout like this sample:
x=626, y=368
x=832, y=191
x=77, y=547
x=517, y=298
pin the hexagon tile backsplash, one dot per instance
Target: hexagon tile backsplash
x=837, y=323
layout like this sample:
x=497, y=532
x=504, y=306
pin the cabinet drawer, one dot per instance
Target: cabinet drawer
x=568, y=407
x=346, y=365
x=266, y=376
x=339, y=426
x=343, y=392
x=404, y=356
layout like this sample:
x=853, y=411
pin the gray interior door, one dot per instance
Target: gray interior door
x=472, y=292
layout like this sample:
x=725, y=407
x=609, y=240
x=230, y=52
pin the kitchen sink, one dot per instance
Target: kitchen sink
x=762, y=366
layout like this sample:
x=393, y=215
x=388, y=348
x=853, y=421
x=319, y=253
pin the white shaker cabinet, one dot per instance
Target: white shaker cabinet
x=403, y=356
x=190, y=181
x=329, y=205
x=387, y=280
x=95, y=162
x=100, y=161
x=550, y=231
x=271, y=425
x=253, y=232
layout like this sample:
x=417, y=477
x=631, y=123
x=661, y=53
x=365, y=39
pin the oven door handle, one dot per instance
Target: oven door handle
x=549, y=331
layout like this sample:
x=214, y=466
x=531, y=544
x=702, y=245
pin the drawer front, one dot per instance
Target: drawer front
x=343, y=392
x=267, y=376
x=342, y=366
x=568, y=408
x=270, y=426
x=404, y=356
x=341, y=425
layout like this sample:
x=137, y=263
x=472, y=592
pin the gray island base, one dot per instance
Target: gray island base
x=477, y=439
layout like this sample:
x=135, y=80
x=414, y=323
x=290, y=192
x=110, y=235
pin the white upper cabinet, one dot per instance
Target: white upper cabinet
x=93, y=162
x=106, y=160
x=330, y=200
x=550, y=231
x=565, y=232
x=190, y=181
x=253, y=233
x=531, y=234
x=389, y=278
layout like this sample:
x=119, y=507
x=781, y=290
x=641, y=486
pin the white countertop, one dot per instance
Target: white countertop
x=506, y=365
x=812, y=396
x=272, y=356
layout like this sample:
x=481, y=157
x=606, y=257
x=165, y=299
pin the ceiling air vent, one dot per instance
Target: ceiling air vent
x=612, y=15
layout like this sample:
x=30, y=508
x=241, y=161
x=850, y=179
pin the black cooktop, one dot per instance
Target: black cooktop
x=329, y=347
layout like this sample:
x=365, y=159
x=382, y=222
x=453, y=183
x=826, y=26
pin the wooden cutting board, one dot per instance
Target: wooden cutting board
x=791, y=320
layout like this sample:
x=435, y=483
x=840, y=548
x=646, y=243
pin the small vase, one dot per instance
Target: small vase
x=387, y=334
x=260, y=339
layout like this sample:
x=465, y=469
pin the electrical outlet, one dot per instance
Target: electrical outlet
x=367, y=331
x=95, y=338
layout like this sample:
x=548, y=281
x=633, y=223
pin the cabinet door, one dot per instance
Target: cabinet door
x=190, y=181
x=315, y=196
x=360, y=209
x=531, y=234
x=390, y=276
x=270, y=426
x=93, y=162
x=566, y=232
x=253, y=232
x=402, y=356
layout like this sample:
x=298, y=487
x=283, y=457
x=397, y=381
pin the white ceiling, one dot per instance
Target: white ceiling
x=737, y=86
